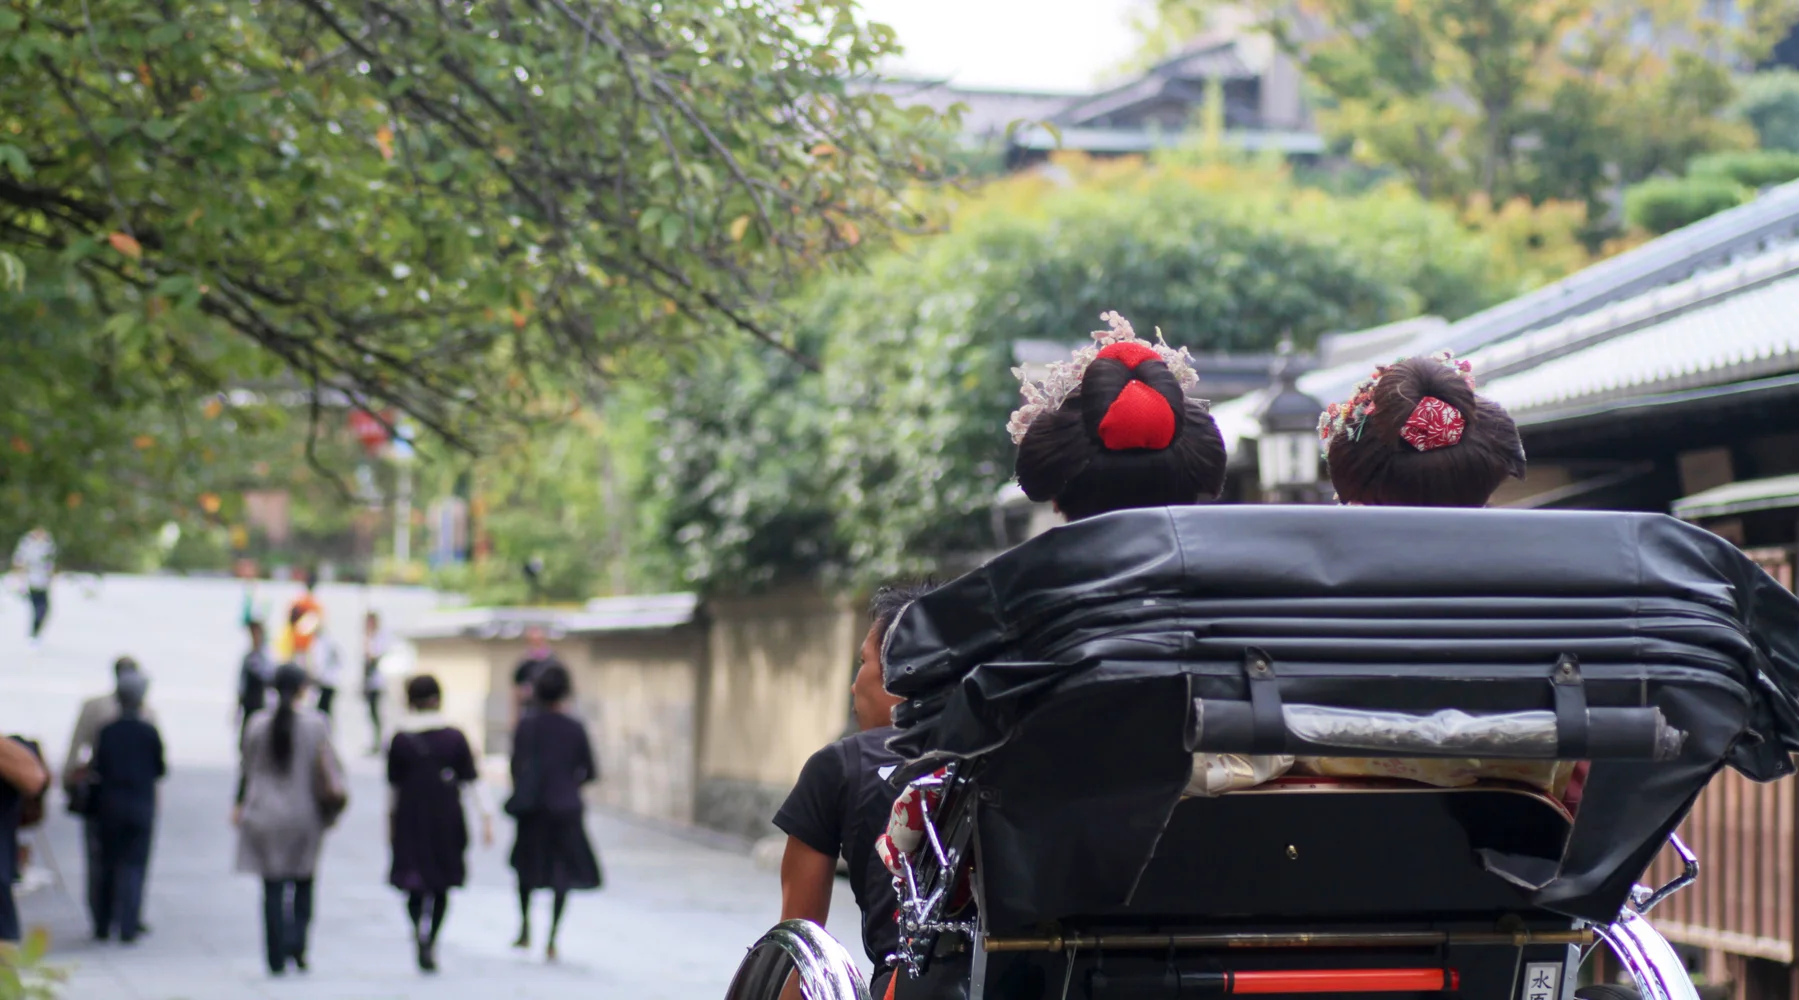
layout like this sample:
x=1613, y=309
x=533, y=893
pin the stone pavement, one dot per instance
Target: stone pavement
x=677, y=913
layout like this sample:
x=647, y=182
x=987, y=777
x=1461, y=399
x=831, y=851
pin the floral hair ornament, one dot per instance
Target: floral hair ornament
x=1432, y=423
x=1064, y=377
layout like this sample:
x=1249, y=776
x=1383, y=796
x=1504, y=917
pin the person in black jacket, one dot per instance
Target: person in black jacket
x=128, y=759
x=551, y=760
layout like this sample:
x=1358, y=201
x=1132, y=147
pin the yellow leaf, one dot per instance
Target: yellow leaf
x=209, y=502
x=125, y=244
x=849, y=232
x=212, y=409
x=143, y=442
x=143, y=73
x=384, y=137
x=73, y=500
x=21, y=446
x=194, y=216
x=739, y=226
x=824, y=149
x=504, y=153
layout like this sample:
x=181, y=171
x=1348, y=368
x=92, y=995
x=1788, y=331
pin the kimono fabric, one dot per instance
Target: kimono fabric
x=551, y=760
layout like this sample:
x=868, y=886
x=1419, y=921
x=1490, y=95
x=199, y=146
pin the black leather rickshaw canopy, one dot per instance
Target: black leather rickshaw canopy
x=1137, y=613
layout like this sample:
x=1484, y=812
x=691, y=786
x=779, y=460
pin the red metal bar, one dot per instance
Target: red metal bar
x=1345, y=981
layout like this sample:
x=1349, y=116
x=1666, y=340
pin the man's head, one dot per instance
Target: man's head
x=257, y=634
x=132, y=687
x=874, y=706
x=423, y=693
x=124, y=665
x=535, y=639
x=312, y=578
x=371, y=621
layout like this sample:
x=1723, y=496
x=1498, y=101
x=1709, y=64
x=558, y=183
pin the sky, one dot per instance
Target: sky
x=1062, y=45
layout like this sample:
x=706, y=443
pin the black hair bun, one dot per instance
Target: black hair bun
x=1072, y=455
x=1380, y=467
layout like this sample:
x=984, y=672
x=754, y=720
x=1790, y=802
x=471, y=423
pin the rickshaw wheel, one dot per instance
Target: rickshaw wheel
x=797, y=948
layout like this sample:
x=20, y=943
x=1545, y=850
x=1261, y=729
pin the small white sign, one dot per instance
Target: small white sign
x=1542, y=981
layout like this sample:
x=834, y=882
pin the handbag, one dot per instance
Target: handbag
x=84, y=793
x=329, y=790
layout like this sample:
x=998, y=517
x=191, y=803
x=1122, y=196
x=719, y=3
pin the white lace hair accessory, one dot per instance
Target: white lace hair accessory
x=1064, y=377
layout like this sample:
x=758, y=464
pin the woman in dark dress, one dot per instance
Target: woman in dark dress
x=551, y=760
x=428, y=765
x=128, y=761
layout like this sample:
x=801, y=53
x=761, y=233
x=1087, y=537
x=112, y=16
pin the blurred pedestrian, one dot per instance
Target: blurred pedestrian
x=127, y=762
x=35, y=557
x=80, y=781
x=428, y=766
x=328, y=670
x=289, y=792
x=551, y=760
x=306, y=616
x=538, y=656
x=22, y=777
x=375, y=644
x=254, y=676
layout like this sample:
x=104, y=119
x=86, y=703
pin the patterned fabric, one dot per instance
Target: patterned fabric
x=905, y=824
x=1433, y=424
x=1546, y=775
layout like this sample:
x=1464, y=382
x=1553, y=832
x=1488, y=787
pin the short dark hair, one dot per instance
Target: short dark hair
x=1379, y=467
x=124, y=665
x=551, y=684
x=422, y=691
x=892, y=598
x=1068, y=456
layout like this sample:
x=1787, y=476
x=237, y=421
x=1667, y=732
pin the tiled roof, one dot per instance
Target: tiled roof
x=1734, y=324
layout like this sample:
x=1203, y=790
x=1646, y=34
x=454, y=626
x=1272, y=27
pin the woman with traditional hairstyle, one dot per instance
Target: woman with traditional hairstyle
x=1116, y=427
x=284, y=806
x=1415, y=434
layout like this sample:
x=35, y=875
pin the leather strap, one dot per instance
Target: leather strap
x=1268, y=733
x=1572, y=726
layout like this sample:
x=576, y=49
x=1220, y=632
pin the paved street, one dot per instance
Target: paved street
x=678, y=910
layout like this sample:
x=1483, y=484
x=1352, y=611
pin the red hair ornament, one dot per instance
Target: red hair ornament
x=1433, y=424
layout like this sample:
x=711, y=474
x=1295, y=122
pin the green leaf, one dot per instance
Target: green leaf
x=160, y=129
x=14, y=159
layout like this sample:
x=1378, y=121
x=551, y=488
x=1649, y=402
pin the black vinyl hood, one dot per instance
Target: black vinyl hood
x=1139, y=613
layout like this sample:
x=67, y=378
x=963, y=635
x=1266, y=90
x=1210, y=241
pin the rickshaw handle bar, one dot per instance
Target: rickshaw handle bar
x=1300, y=939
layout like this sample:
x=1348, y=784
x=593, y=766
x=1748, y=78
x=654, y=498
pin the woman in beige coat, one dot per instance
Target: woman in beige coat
x=278, y=815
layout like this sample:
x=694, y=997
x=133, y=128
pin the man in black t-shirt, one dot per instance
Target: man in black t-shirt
x=840, y=804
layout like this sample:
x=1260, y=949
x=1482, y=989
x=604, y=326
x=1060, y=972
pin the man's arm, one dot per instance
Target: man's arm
x=20, y=768
x=806, y=882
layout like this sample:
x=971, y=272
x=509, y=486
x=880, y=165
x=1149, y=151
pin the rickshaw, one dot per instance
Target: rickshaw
x=1056, y=698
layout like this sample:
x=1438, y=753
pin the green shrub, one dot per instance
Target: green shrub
x=1756, y=168
x=1769, y=102
x=1665, y=204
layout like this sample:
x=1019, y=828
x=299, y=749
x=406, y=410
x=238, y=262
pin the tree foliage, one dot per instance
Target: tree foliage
x=1551, y=99
x=1769, y=102
x=417, y=204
